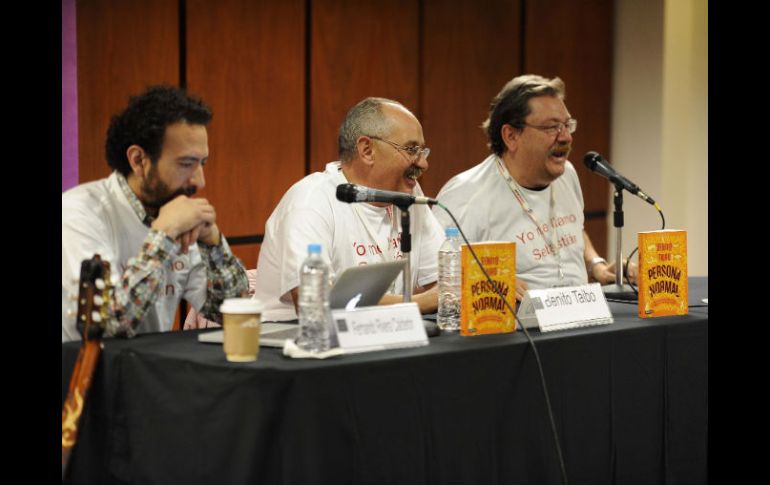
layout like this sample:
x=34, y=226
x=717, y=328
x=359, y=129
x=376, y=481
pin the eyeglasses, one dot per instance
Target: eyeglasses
x=555, y=130
x=414, y=152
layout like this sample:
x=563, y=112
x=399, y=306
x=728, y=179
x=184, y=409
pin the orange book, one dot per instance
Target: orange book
x=662, y=273
x=482, y=311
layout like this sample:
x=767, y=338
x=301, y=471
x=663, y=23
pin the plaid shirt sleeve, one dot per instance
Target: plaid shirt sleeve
x=226, y=278
x=138, y=286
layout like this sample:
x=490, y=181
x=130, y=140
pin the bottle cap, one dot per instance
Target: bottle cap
x=451, y=231
x=314, y=248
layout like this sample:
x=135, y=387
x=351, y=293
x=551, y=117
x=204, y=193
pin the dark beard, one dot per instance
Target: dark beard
x=156, y=194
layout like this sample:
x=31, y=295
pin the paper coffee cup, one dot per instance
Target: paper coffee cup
x=241, y=318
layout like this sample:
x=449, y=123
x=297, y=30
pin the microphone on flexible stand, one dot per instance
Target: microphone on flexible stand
x=599, y=165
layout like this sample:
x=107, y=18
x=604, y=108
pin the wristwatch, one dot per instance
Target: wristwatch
x=594, y=262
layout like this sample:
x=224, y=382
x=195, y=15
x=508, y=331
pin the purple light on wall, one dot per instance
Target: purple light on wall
x=69, y=96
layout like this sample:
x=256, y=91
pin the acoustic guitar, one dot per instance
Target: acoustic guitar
x=93, y=312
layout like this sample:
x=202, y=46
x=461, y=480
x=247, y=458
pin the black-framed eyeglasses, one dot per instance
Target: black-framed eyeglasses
x=414, y=152
x=555, y=130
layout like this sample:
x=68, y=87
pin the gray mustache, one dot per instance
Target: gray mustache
x=413, y=172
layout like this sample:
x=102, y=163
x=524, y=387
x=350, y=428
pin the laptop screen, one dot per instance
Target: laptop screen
x=364, y=285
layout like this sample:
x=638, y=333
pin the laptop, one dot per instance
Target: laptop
x=358, y=286
x=364, y=285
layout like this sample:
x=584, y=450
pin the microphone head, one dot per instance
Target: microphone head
x=591, y=159
x=346, y=193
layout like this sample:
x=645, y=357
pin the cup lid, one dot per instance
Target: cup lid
x=241, y=305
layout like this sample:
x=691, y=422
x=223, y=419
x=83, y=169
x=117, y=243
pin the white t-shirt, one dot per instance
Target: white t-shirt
x=484, y=205
x=349, y=234
x=97, y=218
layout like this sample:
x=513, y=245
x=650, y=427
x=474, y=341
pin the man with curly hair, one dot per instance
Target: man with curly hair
x=162, y=244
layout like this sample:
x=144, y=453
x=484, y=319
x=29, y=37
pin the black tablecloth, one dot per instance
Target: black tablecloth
x=630, y=400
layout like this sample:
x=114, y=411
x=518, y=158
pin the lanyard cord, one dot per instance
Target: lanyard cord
x=519, y=196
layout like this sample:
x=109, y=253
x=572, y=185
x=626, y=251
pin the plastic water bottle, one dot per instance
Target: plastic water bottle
x=449, y=291
x=314, y=312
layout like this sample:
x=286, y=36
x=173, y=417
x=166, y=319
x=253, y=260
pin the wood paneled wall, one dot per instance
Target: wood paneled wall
x=280, y=75
x=121, y=50
x=246, y=59
x=359, y=48
x=471, y=49
x=573, y=40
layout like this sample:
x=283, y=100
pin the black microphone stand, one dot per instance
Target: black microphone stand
x=406, y=248
x=431, y=329
x=619, y=290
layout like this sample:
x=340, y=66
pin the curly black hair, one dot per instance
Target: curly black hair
x=144, y=123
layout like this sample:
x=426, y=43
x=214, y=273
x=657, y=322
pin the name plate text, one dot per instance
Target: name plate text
x=380, y=327
x=565, y=307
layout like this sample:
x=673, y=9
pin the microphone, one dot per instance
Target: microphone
x=597, y=164
x=359, y=193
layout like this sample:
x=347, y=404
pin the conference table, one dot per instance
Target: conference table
x=629, y=399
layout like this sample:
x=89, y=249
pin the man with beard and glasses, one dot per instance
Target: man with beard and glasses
x=381, y=146
x=527, y=191
x=162, y=245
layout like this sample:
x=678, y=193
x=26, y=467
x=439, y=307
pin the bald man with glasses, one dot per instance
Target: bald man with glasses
x=527, y=191
x=381, y=146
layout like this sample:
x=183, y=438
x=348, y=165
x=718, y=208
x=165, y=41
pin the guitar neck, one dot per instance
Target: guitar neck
x=82, y=377
x=93, y=311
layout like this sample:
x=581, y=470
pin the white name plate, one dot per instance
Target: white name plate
x=380, y=327
x=564, y=307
